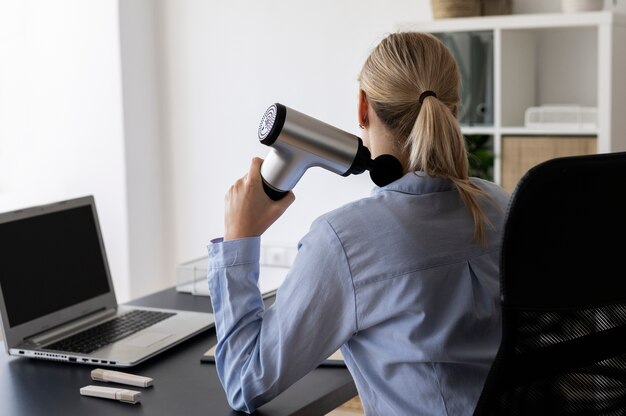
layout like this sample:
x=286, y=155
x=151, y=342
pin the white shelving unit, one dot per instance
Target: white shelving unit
x=549, y=59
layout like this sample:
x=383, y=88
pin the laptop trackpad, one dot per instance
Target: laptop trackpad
x=146, y=339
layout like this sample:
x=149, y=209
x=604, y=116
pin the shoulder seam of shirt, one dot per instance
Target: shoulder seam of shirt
x=345, y=255
x=434, y=266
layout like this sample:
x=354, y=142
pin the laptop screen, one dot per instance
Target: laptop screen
x=49, y=262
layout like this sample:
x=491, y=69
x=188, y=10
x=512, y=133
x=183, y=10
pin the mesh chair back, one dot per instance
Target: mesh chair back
x=563, y=288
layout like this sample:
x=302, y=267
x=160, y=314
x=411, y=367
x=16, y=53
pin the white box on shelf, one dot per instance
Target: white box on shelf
x=561, y=117
x=191, y=277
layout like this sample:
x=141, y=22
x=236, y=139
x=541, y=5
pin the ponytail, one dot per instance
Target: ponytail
x=412, y=83
x=445, y=158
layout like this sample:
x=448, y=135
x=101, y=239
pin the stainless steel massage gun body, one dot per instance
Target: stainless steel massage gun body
x=299, y=142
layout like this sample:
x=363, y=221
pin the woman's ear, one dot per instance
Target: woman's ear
x=363, y=107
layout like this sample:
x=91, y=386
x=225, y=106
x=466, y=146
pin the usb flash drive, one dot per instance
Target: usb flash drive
x=118, y=377
x=122, y=395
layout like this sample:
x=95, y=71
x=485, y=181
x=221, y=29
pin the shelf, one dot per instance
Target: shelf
x=525, y=131
x=470, y=130
x=518, y=21
x=534, y=60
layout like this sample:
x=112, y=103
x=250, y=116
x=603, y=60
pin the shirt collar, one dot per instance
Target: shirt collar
x=417, y=183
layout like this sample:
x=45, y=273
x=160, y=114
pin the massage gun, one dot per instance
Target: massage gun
x=299, y=142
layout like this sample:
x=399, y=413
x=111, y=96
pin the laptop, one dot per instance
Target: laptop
x=56, y=294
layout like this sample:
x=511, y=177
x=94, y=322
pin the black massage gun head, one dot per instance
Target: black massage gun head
x=386, y=169
x=383, y=170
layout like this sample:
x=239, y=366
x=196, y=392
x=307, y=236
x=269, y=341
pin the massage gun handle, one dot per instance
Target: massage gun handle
x=273, y=193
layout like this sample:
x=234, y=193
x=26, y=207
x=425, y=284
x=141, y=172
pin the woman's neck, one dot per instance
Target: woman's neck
x=382, y=142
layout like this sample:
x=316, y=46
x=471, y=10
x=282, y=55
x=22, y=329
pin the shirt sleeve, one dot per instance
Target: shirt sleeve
x=262, y=352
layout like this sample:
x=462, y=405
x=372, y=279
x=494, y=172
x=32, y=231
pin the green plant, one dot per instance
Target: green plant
x=481, y=156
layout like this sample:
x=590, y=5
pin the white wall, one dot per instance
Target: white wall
x=61, y=133
x=225, y=63
x=145, y=168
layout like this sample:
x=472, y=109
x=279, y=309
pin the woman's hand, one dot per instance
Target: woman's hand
x=249, y=211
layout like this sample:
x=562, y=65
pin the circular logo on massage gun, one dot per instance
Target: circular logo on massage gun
x=267, y=122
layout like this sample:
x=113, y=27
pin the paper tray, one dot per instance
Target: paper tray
x=191, y=277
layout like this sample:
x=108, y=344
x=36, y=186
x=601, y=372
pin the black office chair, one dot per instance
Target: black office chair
x=563, y=293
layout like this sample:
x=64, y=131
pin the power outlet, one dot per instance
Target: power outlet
x=277, y=256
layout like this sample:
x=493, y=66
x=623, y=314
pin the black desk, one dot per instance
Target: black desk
x=182, y=385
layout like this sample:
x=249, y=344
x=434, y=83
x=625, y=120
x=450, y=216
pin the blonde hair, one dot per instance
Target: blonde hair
x=399, y=70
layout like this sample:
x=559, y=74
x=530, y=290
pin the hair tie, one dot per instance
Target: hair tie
x=427, y=93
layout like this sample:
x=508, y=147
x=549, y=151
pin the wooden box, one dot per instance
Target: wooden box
x=520, y=153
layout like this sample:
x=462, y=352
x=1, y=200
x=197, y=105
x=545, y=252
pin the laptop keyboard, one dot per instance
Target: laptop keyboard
x=104, y=334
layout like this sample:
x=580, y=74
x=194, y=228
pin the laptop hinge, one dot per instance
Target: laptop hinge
x=70, y=327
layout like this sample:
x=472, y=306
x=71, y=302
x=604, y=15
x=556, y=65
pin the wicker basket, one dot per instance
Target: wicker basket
x=495, y=7
x=443, y=9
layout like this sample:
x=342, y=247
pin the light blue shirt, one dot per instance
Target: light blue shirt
x=395, y=280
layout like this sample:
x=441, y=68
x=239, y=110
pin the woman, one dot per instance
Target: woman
x=405, y=281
